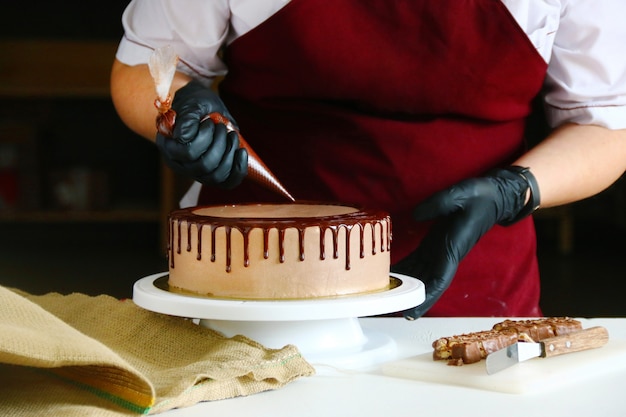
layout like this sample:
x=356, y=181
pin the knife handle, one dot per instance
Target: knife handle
x=594, y=337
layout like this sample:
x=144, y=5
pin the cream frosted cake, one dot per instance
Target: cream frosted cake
x=279, y=251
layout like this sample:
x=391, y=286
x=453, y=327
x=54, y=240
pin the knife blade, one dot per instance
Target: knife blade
x=591, y=338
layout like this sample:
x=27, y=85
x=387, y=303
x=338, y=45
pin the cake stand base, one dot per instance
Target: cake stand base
x=326, y=330
x=329, y=344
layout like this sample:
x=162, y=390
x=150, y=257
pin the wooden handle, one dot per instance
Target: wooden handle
x=591, y=338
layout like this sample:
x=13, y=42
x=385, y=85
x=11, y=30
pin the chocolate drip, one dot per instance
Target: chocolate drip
x=374, y=243
x=229, y=246
x=170, y=246
x=199, y=256
x=322, y=243
x=281, y=244
x=179, y=244
x=332, y=224
x=246, y=252
x=301, y=243
x=335, y=233
x=213, y=228
x=348, y=232
x=266, y=243
x=188, y=238
x=362, y=247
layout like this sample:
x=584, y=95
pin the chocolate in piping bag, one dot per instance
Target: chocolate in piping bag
x=162, y=68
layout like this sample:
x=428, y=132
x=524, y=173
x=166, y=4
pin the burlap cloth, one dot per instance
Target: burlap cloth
x=76, y=355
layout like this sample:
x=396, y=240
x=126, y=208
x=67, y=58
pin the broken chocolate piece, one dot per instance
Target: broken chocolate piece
x=472, y=347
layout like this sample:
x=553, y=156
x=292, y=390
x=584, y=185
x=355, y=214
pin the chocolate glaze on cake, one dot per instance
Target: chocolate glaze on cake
x=332, y=223
x=195, y=231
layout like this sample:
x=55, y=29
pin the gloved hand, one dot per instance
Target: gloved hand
x=467, y=210
x=204, y=151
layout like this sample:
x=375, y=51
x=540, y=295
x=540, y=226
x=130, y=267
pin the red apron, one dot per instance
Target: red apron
x=381, y=103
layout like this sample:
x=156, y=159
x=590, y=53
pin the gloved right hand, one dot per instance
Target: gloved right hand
x=465, y=212
x=203, y=150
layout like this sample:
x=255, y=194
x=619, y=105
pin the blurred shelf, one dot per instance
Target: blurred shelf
x=47, y=72
x=58, y=216
x=39, y=68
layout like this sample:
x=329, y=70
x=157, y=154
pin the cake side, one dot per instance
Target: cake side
x=286, y=251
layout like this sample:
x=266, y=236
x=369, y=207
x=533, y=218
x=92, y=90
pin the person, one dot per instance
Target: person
x=417, y=107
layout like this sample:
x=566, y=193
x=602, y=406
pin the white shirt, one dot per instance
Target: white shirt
x=583, y=41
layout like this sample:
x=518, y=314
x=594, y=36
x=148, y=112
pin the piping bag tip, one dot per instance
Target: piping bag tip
x=257, y=170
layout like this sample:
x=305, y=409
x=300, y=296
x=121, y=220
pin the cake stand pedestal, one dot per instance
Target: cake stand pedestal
x=326, y=330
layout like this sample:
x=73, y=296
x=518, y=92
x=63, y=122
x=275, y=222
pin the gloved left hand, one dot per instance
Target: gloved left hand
x=467, y=210
x=205, y=151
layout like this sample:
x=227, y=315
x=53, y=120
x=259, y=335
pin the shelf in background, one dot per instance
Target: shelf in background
x=57, y=216
x=37, y=68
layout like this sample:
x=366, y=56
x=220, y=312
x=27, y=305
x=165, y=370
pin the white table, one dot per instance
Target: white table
x=368, y=392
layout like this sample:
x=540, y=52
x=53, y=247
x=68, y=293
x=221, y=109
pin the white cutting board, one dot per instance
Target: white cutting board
x=537, y=374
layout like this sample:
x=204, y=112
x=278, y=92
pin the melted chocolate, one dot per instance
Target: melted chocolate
x=244, y=225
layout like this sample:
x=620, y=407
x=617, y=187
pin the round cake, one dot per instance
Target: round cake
x=279, y=251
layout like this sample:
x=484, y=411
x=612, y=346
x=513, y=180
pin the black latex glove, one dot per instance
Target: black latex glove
x=467, y=211
x=204, y=151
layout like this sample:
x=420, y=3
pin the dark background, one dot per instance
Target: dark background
x=71, y=251
x=581, y=277
x=67, y=19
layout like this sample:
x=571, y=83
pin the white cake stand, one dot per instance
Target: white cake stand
x=326, y=330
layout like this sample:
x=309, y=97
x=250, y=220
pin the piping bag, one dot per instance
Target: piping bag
x=162, y=66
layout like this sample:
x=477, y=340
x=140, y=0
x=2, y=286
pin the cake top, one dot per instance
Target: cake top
x=299, y=214
x=274, y=211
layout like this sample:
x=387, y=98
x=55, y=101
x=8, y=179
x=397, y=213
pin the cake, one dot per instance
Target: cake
x=472, y=347
x=279, y=251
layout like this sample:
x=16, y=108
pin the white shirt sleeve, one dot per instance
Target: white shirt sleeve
x=149, y=24
x=586, y=80
x=196, y=29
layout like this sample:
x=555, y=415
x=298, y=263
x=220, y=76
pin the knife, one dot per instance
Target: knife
x=593, y=337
